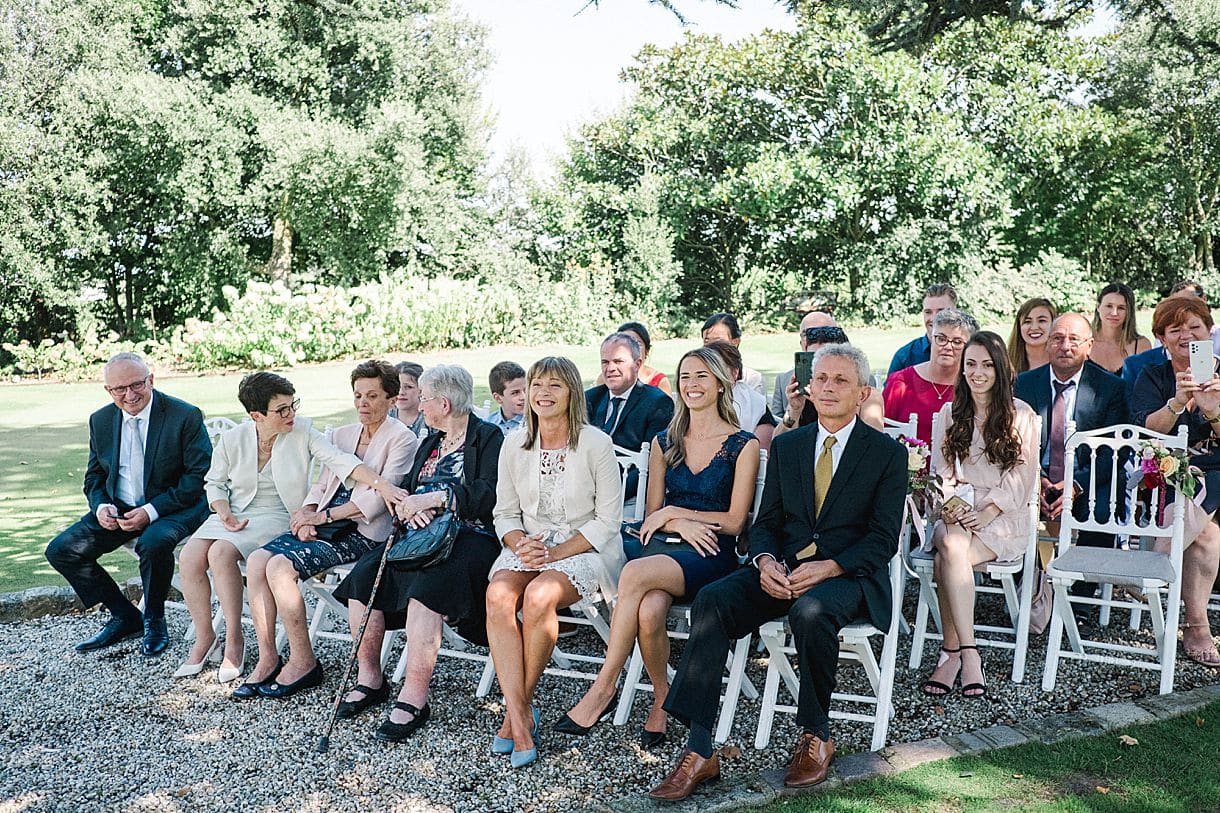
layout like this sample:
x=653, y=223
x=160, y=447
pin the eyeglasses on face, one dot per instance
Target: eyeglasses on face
x=121, y=390
x=287, y=409
x=944, y=341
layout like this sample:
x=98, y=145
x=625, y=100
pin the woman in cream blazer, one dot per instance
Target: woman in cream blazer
x=559, y=507
x=258, y=477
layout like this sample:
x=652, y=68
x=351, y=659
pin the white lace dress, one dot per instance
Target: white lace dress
x=581, y=569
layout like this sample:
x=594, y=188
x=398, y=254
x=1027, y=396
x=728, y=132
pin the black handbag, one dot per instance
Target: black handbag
x=418, y=548
x=330, y=531
x=659, y=542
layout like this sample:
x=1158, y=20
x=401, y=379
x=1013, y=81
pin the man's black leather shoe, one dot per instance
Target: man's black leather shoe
x=116, y=630
x=156, y=636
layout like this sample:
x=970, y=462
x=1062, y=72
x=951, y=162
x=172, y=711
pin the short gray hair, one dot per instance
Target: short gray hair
x=952, y=317
x=628, y=341
x=846, y=351
x=128, y=356
x=451, y=382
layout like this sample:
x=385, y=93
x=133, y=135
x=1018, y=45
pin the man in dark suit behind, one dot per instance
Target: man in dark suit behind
x=148, y=453
x=827, y=527
x=1072, y=388
x=625, y=408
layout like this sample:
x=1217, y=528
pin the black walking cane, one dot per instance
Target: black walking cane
x=324, y=741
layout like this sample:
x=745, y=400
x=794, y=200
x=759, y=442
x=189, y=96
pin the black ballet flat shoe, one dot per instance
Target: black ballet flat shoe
x=391, y=731
x=650, y=740
x=116, y=630
x=566, y=725
x=249, y=689
x=372, y=697
x=279, y=691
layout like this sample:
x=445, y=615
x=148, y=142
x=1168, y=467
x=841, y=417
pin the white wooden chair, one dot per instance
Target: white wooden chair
x=897, y=430
x=1015, y=635
x=1148, y=572
x=735, y=681
x=483, y=412
x=854, y=644
x=633, y=508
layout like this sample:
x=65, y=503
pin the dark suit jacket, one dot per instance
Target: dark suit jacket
x=648, y=410
x=1101, y=400
x=176, y=457
x=860, y=520
x=476, y=494
x=1134, y=365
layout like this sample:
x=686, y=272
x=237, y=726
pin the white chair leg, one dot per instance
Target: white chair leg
x=1103, y=617
x=766, y=713
x=1054, y=638
x=732, y=691
x=921, y=622
x=489, y=674
x=635, y=666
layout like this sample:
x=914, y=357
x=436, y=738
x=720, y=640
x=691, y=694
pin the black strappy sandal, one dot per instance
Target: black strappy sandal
x=929, y=685
x=979, y=689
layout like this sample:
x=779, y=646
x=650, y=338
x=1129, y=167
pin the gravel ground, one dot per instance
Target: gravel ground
x=115, y=732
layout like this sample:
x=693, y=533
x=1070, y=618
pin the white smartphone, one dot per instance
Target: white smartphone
x=1202, y=364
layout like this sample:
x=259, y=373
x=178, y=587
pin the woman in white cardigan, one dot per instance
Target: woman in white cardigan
x=258, y=477
x=559, y=507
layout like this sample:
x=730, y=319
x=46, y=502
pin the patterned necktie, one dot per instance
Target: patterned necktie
x=616, y=403
x=1054, y=468
x=135, y=461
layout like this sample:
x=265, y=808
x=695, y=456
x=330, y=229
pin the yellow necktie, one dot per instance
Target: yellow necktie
x=823, y=473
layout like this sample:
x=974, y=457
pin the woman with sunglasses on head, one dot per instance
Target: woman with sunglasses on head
x=259, y=476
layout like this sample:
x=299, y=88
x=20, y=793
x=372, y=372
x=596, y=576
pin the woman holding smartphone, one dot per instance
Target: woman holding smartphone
x=985, y=450
x=1169, y=395
x=701, y=476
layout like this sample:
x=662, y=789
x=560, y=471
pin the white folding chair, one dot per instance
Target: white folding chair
x=854, y=645
x=633, y=508
x=483, y=412
x=1017, y=604
x=735, y=681
x=1147, y=572
x=899, y=429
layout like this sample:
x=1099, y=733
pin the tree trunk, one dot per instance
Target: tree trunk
x=128, y=304
x=280, y=264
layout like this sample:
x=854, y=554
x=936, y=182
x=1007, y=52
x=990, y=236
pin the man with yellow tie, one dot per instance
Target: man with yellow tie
x=826, y=529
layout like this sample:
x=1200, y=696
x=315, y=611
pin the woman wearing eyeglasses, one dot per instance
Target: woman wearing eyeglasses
x=924, y=388
x=258, y=477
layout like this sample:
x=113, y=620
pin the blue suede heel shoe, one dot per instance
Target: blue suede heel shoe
x=519, y=759
x=504, y=745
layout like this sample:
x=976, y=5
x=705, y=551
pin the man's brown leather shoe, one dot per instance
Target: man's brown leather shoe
x=692, y=770
x=810, y=761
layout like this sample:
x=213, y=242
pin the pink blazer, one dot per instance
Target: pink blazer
x=390, y=454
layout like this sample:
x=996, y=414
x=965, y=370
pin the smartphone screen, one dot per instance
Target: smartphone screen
x=1201, y=364
x=803, y=368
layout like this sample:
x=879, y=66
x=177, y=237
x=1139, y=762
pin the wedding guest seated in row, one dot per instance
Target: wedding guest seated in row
x=559, y=506
x=624, y=407
x=148, y=453
x=1072, y=388
x=1031, y=330
x=702, y=472
x=986, y=452
x=455, y=470
x=1134, y=365
x=1167, y=397
x=928, y=386
x=259, y=476
x=723, y=327
x=749, y=405
x=406, y=405
x=648, y=375
x=507, y=384
x=1115, y=338
x=820, y=552
x=779, y=398
x=339, y=522
x=800, y=408
x=936, y=298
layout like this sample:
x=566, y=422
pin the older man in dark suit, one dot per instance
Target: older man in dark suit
x=625, y=408
x=148, y=454
x=827, y=527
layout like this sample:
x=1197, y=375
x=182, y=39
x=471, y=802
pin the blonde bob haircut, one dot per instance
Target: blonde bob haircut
x=563, y=369
x=713, y=359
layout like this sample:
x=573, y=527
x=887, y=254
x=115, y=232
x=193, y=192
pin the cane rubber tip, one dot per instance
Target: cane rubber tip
x=323, y=745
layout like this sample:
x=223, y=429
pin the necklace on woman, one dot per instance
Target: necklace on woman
x=450, y=444
x=940, y=393
x=265, y=445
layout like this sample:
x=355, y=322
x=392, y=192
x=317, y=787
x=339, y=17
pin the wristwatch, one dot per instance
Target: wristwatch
x=789, y=420
x=1169, y=406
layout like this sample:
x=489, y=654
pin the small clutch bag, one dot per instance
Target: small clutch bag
x=659, y=542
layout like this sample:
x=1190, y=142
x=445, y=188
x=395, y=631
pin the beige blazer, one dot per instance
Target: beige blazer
x=593, y=497
x=390, y=454
x=233, y=475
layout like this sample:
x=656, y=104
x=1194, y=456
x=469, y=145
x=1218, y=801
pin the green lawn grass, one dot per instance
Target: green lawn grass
x=44, y=440
x=1172, y=768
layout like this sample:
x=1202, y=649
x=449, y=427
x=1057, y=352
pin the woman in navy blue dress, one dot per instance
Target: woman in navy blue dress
x=702, y=471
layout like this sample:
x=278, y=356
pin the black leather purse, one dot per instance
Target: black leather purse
x=660, y=542
x=418, y=548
